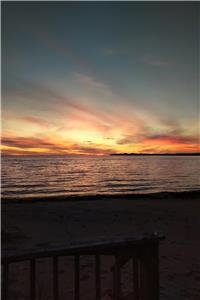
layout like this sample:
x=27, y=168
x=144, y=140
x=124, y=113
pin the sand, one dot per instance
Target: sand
x=39, y=224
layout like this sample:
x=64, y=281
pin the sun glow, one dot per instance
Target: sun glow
x=82, y=134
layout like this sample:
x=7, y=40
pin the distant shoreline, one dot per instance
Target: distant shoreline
x=3, y=155
x=127, y=196
x=155, y=154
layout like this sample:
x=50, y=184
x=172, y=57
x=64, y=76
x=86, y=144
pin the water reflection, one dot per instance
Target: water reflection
x=43, y=176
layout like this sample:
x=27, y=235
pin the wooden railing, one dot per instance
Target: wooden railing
x=142, y=252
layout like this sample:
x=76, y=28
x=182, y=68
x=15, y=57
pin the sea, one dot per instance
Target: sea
x=25, y=177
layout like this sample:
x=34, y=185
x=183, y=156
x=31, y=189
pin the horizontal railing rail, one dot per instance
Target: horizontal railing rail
x=141, y=250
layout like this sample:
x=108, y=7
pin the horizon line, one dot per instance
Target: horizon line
x=106, y=154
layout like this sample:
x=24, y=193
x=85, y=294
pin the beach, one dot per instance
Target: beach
x=53, y=222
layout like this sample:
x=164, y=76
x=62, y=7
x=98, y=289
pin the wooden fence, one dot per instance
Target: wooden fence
x=141, y=251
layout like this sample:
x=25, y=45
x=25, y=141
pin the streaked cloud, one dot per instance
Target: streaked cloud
x=82, y=79
x=24, y=142
x=29, y=119
x=156, y=62
x=29, y=146
x=91, y=82
x=172, y=139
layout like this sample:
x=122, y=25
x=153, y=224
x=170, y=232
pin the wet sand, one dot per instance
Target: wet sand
x=53, y=222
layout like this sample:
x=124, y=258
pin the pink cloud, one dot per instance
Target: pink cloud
x=32, y=120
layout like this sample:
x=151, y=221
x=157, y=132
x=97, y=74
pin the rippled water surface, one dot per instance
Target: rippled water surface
x=47, y=176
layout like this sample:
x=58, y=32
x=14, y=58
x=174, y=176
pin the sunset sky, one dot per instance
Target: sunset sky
x=99, y=77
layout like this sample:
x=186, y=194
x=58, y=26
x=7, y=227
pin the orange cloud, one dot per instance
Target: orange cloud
x=171, y=139
x=32, y=120
x=112, y=129
x=37, y=146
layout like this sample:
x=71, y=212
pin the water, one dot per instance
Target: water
x=55, y=176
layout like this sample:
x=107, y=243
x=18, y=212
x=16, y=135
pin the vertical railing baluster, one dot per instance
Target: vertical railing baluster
x=149, y=272
x=55, y=278
x=5, y=281
x=77, y=277
x=98, y=276
x=114, y=288
x=135, y=278
x=32, y=279
x=116, y=280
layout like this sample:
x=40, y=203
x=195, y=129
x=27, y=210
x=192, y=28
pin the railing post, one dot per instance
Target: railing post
x=135, y=264
x=98, y=276
x=55, y=278
x=5, y=282
x=32, y=279
x=116, y=279
x=77, y=277
x=149, y=272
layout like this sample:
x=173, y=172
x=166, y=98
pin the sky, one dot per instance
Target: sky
x=96, y=78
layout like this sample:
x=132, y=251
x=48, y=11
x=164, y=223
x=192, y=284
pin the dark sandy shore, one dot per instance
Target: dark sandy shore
x=52, y=222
